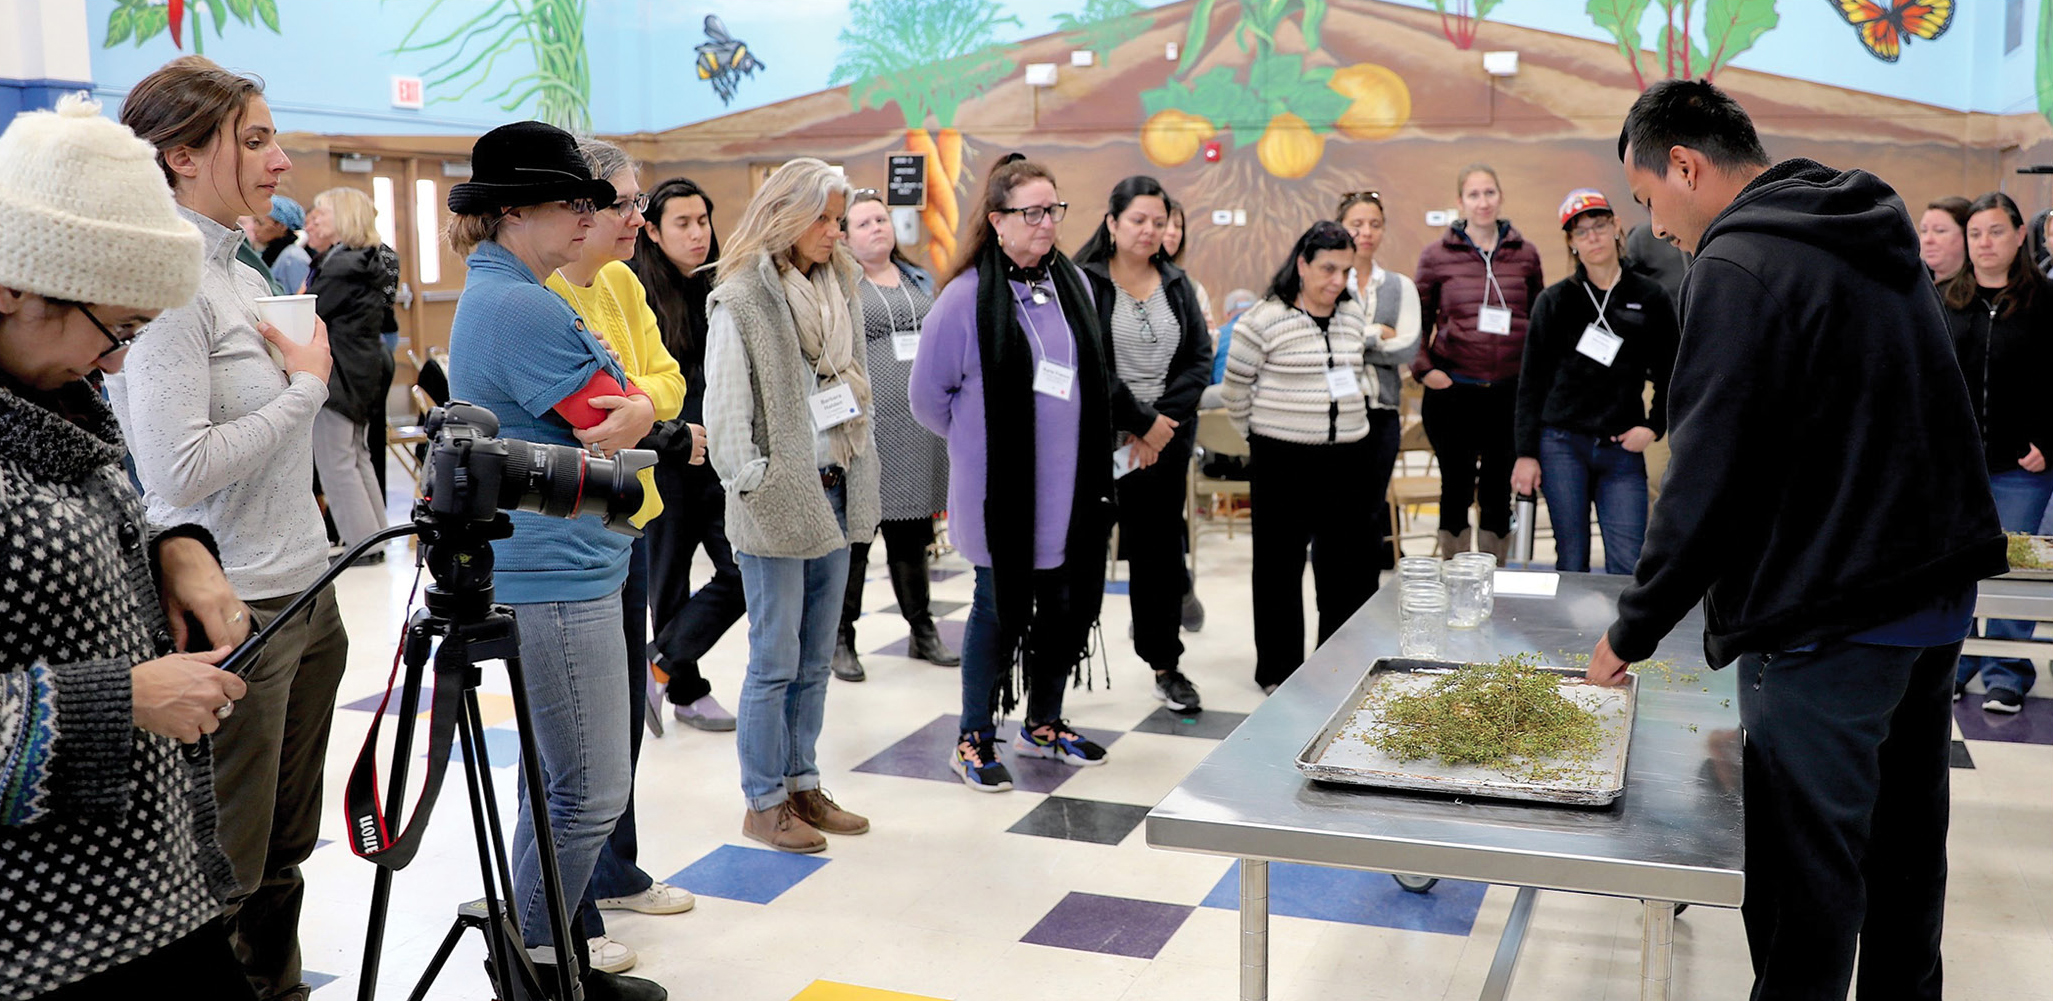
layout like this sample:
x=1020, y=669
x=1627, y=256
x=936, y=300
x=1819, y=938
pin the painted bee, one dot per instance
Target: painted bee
x=724, y=60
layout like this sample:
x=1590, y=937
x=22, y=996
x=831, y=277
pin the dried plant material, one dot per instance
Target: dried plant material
x=1507, y=716
x=2025, y=552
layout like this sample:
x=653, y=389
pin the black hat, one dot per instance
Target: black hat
x=526, y=163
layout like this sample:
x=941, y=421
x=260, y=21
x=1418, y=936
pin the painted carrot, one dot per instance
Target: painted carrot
x=940, y=247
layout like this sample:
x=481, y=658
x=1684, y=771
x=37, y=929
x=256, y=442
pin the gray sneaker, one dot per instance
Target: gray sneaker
x=705, y=714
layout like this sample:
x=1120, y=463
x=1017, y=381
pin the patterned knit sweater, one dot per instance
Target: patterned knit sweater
x=107, y=846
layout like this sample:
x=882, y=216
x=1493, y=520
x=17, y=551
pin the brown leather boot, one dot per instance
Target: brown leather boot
x=781, y=828
x=1452, y=545
x=1494, y=544
x=819, y=809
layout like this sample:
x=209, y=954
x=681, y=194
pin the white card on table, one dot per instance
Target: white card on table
x=1526, y=584
x=833, y=406
x=1054, y=379
x=1341, y=383
x=1599, y=345
x=1494, y=320
x=905, y=345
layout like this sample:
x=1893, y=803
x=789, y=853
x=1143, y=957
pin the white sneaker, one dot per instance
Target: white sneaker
x=659, y=898
x=611, y=957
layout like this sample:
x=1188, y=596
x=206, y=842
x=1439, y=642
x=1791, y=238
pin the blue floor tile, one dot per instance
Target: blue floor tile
x=1115, y=587
x=1356, y=897
x=754, y=875
x=502, y=747
x=316, y=981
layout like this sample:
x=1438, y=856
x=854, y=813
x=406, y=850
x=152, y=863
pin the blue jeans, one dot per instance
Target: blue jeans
x=794, y=609
x=1577, y=468
x=573, y=657
x=2020, y=504
x=616, y=873
x=984, y=664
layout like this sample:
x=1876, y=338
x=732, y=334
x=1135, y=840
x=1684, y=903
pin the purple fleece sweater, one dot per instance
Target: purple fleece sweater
x=948, y=397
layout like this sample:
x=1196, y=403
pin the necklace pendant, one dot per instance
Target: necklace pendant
x=1040, y=296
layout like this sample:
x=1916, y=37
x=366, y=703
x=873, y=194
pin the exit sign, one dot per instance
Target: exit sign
x=408, y=92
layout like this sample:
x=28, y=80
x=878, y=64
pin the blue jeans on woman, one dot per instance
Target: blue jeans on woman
x=984, y=665
x=573, y=657
x=2020, y=504
x=794, y=610
x=1576, y=468
x=616, y=873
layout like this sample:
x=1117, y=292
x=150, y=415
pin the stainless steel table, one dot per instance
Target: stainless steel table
x=1674, y=837
x=2012, y=598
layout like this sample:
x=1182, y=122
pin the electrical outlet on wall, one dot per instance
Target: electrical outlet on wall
x=1169, y=51
x=1437, y=218
x=1240, y=217
x=1222, y=217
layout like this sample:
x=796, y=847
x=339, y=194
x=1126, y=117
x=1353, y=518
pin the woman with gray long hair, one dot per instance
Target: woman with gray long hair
x=788, y=417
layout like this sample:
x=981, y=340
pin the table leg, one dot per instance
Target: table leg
x=1498, y=983
x=1657, y=945
x=1254, y=930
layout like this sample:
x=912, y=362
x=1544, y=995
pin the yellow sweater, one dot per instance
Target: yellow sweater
x=616, y=308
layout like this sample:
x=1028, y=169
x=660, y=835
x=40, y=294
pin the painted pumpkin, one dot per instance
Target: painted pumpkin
x=1172, y=137
x=1289, y=148
x=1382, y=103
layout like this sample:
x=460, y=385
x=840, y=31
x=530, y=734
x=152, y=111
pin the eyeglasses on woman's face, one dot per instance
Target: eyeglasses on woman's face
x=580, y=206
x=1600, y=226
x=115, y=342
x=1034, y=215
x=637, y=203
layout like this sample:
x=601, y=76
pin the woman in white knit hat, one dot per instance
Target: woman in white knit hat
x=222, y=436
x=93, y=702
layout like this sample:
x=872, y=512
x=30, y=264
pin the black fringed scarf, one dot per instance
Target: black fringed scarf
x=1059, y=635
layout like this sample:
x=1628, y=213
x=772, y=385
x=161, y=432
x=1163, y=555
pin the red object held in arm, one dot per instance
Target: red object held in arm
x=577, y=407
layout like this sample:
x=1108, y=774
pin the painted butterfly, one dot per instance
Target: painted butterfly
x=1886, y=24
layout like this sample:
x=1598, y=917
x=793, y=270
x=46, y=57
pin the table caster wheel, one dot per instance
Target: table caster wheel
x=1415, y=884
x=1679, y=908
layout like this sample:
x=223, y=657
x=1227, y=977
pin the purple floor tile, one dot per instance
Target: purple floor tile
x=369, y=703
x=937, y=576
x=951, y=633
x=925, y=755
x=1113, y=925
x=935, y=607
x=2032, y=726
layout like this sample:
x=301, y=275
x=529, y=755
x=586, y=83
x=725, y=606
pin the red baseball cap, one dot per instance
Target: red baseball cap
x=1583, y=200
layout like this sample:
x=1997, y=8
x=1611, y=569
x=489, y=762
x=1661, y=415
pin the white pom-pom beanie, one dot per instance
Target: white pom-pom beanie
x=85, y=214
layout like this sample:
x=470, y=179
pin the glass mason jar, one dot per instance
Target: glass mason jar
x=1418, y=568
x=1422, y=614
x=1487, y=564
x=1468, y=594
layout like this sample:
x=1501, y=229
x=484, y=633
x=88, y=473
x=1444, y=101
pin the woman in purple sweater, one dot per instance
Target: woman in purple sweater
x=1012, y=373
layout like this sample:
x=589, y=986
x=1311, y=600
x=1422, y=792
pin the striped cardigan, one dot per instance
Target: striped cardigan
x=1276, y=374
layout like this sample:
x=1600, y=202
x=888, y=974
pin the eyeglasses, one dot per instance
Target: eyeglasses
x=1034, y=214
x=1140, y=312
x=639, y=203
x=1596, y=227
x=861, y=193
x=581, y=206
x=1373, y=196
x=114, y=343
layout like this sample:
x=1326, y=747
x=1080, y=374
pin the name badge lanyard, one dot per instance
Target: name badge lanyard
x=1046, y=363
x=1603, y=306
x=898, y=346
x=1490, y=275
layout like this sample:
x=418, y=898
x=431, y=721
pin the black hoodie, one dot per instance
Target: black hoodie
x=1827, y=475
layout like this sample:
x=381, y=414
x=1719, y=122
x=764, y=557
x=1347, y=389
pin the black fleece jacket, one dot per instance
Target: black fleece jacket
x=2006, y=358
x=1826, y=474
x=1561, y=387
x=1190, y=367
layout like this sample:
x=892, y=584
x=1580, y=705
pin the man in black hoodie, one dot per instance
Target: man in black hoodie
x=1828, y=504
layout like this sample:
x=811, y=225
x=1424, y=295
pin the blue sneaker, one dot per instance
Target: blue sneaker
x=976, y=761
x=1057, y=741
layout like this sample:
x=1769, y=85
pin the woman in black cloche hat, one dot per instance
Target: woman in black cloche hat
x=519, y=350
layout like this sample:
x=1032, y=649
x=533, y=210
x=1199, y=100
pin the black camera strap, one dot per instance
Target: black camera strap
x=370, y=836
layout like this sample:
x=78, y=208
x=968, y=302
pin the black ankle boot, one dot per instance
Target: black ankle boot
x=846, y=665
x=909, y=582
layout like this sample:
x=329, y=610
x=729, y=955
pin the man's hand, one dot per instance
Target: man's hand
x=1606, y=668
x=1525, y=476
x=698, y=444
x=627, y=424
x=1436, y=379
x=2034, y=461
x=1636, y=440
x=194, y=583
x=182, y=696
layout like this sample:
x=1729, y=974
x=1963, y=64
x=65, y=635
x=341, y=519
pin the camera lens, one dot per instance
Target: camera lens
x=564, y=482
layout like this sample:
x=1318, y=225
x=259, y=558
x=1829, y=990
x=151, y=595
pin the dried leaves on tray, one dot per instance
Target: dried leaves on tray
x=1507, y=716
x=2025, y=552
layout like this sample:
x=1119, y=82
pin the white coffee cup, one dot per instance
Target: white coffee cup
x=293, y=315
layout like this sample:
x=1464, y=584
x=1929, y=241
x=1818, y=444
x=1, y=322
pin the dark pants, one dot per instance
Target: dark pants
x=1316, y=496
x=616, y=874
x=984, y=664
x=1151, y=539
x=905, y=541
x=1470, y=429
x=1577, y=469
x=199, y=967
x=1846, y=757
x=268, y=763
x=688, y=623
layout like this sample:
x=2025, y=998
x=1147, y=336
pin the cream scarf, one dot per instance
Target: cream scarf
x=826, y=335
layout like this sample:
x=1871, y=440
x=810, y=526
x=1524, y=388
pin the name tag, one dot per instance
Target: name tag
x=1341, y=383
x=1599, y=345
x=1054, y=379
x=833, y=406
x=1494, y=320
x=1122, y=460
x=905, y=345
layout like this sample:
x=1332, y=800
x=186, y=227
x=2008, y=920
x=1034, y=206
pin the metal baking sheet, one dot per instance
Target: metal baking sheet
x=1340, y=753
x=2044, y=547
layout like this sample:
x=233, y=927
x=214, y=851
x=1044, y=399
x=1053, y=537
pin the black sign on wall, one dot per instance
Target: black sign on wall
x=905, y=180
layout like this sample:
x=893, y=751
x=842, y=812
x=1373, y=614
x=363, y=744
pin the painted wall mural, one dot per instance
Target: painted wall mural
x=547, y=37
x=138, y=21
